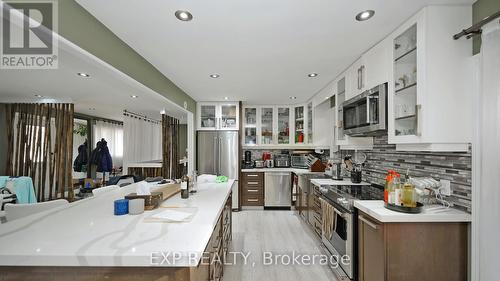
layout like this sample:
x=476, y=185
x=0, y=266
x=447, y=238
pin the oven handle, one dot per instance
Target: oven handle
x=369, y=223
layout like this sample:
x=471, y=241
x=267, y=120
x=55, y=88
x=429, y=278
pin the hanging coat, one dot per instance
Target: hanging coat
x=101, y=158
x=81, y=159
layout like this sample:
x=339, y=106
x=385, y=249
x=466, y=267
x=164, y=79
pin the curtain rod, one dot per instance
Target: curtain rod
x=475, y=29
x=96, y=118
x=140, y=116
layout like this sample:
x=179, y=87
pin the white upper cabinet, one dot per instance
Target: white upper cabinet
x=377, y=65
x=218, y=116
x=429, y=94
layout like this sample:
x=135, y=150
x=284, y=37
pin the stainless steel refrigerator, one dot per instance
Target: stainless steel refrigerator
x=217, y=154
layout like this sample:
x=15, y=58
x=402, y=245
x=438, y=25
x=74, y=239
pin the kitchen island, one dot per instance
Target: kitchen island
x=86, y=241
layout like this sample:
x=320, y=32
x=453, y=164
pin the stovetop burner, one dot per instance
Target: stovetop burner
x=344, y=195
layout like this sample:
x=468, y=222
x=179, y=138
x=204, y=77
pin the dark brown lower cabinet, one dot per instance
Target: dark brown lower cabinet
x=411, y=251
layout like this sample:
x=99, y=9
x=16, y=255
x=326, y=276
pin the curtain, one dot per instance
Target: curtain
x=489, y=150
x=170, y=142
x=40, y=146
x=141, y=140
x=113, y=134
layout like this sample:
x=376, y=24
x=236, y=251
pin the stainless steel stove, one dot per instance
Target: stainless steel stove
x=342, y=241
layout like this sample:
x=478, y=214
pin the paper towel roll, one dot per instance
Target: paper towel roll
x=136, y=206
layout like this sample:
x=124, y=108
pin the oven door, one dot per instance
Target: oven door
x=366, y=113
x=340, y=243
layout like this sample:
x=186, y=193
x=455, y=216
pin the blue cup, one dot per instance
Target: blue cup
x=121, y=207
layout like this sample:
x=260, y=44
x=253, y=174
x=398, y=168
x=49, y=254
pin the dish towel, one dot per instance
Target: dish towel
x=23, y=188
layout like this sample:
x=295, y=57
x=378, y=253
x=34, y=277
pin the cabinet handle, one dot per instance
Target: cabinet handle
x=252, y=190
x=362, y=76
x=418, y=107
x=367, y=222
x=252, y=175
x=253, y=200
x=253, y=183
x=359, y=75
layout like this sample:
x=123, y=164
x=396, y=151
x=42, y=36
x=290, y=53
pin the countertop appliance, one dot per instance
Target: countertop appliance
x=278, y=191
x=299, y=161
x=269, y=163
x=281, y=161
x=217, y=154
x=247, y=162
x=343, y=239
x=259, y=164
x=366, y=114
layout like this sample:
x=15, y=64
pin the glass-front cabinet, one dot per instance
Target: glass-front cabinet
x=406, y=107
x=207, y=116
x=250, y=125
x=228, y=117
x=299, y=125
x=283, y=125
x=218, y=116
x=266, y=125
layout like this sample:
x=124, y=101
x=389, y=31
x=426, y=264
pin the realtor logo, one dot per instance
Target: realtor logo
x=28, y=29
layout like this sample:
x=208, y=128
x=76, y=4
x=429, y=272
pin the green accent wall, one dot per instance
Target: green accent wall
x=80, y=27
x=480, y=10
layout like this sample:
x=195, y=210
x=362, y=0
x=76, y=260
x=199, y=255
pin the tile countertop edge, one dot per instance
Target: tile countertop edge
x=431, y=213
x=107, y=256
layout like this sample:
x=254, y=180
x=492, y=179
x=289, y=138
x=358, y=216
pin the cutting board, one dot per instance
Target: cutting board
x=168, y=190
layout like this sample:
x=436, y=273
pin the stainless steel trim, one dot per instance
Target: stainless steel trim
x=369, y=223
x=215, y=155
x=220, y=150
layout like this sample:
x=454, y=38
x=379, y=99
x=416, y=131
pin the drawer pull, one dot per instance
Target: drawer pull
x=252, y=175
x=252, y=190
x=253, y=200
x=367, y=222
x=253, y=183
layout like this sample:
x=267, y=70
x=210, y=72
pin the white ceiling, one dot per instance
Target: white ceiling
x=262, y=49
x=105, y=94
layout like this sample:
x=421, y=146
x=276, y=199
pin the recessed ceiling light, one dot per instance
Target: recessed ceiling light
x=183, y=15
x=83, y=74
x=214, y=75
x=38, y=96
x=312, y=74
x=226, y=98
x=134, y=96
x=365, y=15
x=293, y=98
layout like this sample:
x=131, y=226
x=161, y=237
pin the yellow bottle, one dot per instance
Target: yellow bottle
x=408, y=194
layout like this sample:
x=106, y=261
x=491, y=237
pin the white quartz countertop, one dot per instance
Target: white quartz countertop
x=320, y=182
x=87, y=233
x=431, y=213
x=291, y=170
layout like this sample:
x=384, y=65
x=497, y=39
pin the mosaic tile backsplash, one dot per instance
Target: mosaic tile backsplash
x=453, y=166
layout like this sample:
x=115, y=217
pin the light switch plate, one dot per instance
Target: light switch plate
x=445, y=187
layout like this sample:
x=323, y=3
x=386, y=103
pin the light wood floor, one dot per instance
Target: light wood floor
x=278, y=232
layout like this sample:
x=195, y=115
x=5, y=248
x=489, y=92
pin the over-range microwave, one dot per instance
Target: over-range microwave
x=366, y=114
